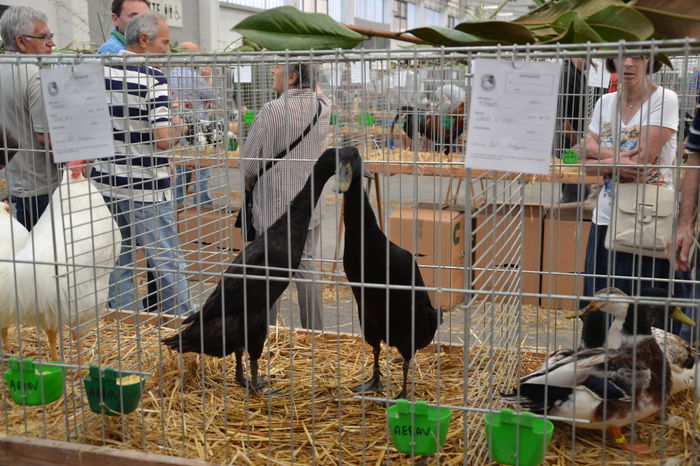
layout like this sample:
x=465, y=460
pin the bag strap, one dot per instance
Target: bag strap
x=286, y=150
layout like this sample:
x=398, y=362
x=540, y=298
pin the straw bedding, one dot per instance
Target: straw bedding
x=192, y=407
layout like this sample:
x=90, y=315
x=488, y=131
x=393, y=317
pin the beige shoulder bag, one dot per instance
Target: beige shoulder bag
x=642, y=216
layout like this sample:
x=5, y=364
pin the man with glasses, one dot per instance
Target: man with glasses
x=31, y=174
x=122, y=12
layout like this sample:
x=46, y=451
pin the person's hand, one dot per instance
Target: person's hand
x=679, y=252
x=598, y=167
x=627, y=165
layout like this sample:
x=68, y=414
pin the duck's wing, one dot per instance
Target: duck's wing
x=678, y=352
x=608, y=374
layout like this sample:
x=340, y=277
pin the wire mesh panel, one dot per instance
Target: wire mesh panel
x=414, y=275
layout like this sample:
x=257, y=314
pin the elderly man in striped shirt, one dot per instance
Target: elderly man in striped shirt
x=136, y=182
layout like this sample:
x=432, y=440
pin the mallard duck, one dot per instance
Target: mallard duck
x=679, y=354
x=593, y=330
x=606, y=387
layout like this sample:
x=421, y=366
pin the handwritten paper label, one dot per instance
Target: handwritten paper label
x=512, y=115
x=359, y=72
x=75, y=99
x=598, y=76
x=243, y=74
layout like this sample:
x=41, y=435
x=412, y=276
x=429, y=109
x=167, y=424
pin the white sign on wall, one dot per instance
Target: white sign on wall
x=171, y=9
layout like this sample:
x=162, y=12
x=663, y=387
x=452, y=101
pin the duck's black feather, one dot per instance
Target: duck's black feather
x=410, y=321
x=218, y=329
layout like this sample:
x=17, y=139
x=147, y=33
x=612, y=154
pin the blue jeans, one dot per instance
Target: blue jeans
x=643, y=272
x=29, y=209
x=153, y=228
x=200, y=177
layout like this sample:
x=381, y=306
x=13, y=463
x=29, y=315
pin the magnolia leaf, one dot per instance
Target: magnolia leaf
x=449, y=37
x=550, y=11
x=621, y=22
x=286, y=28
x=673, y=19
x=573, y=30
x=498, y=32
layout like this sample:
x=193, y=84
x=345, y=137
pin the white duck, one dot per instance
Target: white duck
x=13, y=236
x=69, y=256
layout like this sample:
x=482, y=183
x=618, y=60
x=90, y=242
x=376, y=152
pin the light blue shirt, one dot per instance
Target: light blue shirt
x=114, y=44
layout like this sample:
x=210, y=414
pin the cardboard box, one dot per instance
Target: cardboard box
x=564, y=252
x=504, y=240
x=439, y=240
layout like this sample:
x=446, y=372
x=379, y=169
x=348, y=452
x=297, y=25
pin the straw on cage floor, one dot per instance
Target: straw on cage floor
x=193, y=408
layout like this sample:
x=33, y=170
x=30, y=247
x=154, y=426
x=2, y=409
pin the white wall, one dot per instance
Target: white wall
x=228, y=18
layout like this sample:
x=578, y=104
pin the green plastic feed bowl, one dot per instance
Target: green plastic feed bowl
x=33, y=383
x=418, y=434
x=569, y=156
x=365, y=119
x=248, y=117
x=112, y=393
x=524, y=437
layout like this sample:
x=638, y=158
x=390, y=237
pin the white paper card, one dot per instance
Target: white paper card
x=359, y=72
x=75, y=99
x=243, y=74
x=598, y=76
x=512, y=115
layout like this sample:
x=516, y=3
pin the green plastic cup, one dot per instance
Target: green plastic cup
x=111, y=392
x=248, y=117
x=33, y=383
x=569, y=156
x=418, y=434
x=366, y=119
x=524, y=437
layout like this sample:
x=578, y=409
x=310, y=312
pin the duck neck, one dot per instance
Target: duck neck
x=302, y=206
x=593, y=330
x=638, y=326
x=355, y=202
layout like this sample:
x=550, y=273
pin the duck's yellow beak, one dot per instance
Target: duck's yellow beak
x=593, y=306
x=343, y=177
x=679, y=316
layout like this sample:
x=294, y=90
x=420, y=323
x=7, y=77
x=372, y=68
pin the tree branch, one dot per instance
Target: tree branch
x=386, y=34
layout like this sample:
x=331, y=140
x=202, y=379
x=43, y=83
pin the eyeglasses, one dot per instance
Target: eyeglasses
x=45, y=37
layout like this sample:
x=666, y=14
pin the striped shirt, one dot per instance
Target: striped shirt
x=138, y=104
x=694, y=133
x=278, y=124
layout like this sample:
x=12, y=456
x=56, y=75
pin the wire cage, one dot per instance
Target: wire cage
x=501, y=256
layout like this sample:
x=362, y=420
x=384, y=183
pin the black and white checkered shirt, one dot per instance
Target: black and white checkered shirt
x=278, y=124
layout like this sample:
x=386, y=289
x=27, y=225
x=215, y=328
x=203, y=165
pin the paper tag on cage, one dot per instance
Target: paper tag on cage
x=598, y=75
x=512, y=115
x=75, y=99
x=243, y=74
